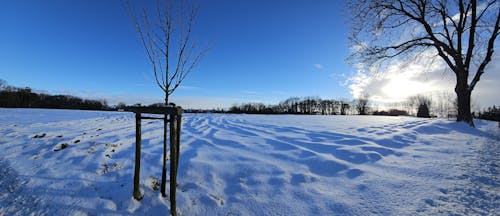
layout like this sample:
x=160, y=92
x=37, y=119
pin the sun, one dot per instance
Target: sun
x=400, y=87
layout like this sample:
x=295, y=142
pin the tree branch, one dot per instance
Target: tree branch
x=489, y=54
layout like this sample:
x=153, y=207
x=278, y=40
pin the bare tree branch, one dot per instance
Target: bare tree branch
x=489, y=54
x=169, y=33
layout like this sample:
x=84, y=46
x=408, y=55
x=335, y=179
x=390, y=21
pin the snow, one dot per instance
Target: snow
x=249, y=165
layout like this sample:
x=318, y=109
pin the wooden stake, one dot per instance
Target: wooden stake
x=164, y=167
x=137, y=193
x=173, y=158
x=177, y=158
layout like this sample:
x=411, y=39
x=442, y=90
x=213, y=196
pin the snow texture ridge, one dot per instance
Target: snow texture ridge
x=60, y=162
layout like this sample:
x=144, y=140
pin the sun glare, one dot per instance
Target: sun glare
x=400, y=88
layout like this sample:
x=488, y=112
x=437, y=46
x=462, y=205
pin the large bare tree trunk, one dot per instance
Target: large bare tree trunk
x=463, y=99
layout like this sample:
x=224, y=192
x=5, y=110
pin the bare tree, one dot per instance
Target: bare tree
x=166, y=34
x=121, y=105
x=3, y=84
x=445, y=103
x=422, y=104
x=461, y=32
x=344, y=106
x=362, y=104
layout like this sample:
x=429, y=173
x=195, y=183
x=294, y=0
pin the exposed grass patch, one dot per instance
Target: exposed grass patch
x=39, y=136
x=61, y=147
x=155, y=183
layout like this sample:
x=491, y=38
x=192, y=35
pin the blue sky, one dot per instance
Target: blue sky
x=263, y=51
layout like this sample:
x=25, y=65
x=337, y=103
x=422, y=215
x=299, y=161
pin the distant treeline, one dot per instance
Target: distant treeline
x=14, y=97
x=295, y=105
x=491, y=113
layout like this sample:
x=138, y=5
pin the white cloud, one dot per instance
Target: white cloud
x=422, y=76
x=318, y=66
x=487, y=89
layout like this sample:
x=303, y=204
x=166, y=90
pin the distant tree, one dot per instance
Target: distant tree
x=422, y=103
x=461, y=32
x=234, y=109
x=324, y=107
x=157, y=105
x=332, y=107
x=344, y=106
x=3, y=84
x=362, y=104
x=396, y=112
x=444, y=103
x=423, y=111
x=121, y=105
x=391, y=112
x=491, y=113
x=290, y=105
x=104, y=104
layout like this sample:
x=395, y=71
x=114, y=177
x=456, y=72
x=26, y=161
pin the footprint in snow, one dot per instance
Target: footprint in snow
x=106, y=168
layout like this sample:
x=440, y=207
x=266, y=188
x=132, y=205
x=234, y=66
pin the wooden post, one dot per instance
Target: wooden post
x=179, y=125
x=164, y=166
x=172, y=115
x=173, y=158
x=137, y=193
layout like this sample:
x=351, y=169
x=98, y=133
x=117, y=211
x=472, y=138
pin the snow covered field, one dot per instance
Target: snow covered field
x=249, y=165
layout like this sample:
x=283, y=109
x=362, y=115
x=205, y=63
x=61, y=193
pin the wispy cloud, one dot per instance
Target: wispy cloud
x=318, y=66
x=339, y=76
